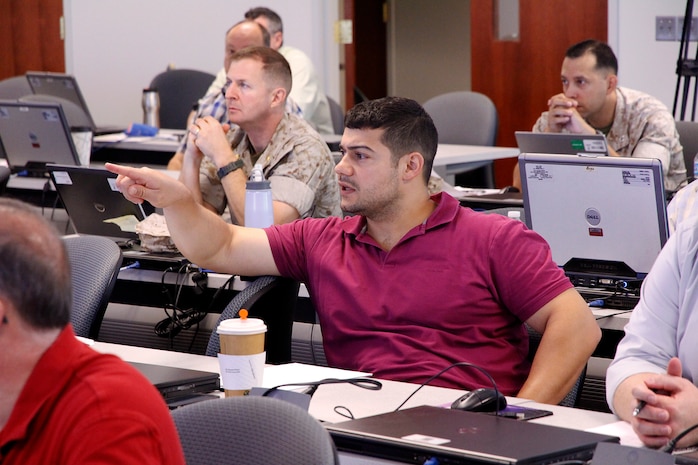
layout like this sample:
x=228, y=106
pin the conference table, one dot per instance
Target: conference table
x=363, y=403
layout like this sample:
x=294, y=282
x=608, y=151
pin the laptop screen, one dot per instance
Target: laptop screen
x=604, y=216
x=64, y=86
x=94, y=204
x=35, y=133
x=561, y=143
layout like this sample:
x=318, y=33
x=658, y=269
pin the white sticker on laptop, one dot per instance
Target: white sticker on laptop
x=426, y=439
x=594, y=145
x=62, y=177
x=112, y=184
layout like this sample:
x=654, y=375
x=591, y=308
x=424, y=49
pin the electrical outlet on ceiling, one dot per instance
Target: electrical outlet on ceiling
x=665, y=28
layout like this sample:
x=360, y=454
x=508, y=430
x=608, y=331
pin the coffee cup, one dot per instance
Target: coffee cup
x=242, y=354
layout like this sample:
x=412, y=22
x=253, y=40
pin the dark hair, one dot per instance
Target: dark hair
x=266, y=37
x=274, y=65
x=605, y=58
x=407, y=127
x=34, y=271
x=275, y=23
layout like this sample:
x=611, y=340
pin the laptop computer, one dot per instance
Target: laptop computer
x=177, y=383
x=561, y=143
x=604, y=218
x=454, y=436
x=96, y=207
x=34, y=134
x=66, y=86
x=94, y=204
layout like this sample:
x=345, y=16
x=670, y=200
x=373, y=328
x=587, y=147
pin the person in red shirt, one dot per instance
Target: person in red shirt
x=60, y=401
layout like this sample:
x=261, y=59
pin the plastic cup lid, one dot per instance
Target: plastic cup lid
x=242, y=326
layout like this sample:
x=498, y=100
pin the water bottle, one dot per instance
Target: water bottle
x=151, y=107
x=514, y=215
x=258, y=206
x=695, y=167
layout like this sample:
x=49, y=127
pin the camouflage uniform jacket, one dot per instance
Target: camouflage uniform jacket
x=643, y=128
x=297, y=162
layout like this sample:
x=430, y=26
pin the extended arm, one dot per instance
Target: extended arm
x=570, y=335
x=201, y=235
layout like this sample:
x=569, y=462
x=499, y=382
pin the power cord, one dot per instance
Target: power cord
x=671, y=445
x=457, y=364
x=177, y=318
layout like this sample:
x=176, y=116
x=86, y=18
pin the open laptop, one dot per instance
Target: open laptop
x=178, y=383
x=96, y=207
x=454, y=436
x=66, y=86
x=94, y=204
x=561, y=143
x=604, y=218
x=34, y=134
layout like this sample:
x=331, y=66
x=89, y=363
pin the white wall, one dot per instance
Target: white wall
x=115, y=47
x=644, y=63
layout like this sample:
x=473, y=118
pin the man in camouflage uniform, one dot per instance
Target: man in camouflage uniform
x=635, y=124
x=296, y=160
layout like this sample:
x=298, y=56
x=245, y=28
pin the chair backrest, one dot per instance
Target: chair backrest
x=337, y=114
x=464, y=117
x=688, y=136
x=252, y=430
x=94, y=263
x=14, y=87
x=179, y=90
x=572, y=398
x=273, y=300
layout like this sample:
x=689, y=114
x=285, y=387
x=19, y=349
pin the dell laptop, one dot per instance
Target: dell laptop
x=454, y=436
x=34, y=134
x=66, y=87
x=604, y=218
x=561, y=143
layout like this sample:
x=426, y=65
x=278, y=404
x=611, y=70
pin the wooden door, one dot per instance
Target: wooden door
x=520, y=76
x=30, y=34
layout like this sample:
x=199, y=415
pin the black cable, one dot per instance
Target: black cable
x=671, y=445
x=364, y=383
x=457, y=364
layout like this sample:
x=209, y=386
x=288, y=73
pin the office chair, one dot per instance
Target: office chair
x=572, y=398
x=273, y=300
x=253, y=430
x=94, y=265
x=337, y=114
x=468, y=118
x=179, y=90
x=688, y=136
x=14, y=88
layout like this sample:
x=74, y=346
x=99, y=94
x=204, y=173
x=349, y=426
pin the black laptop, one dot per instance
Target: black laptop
x=94, y=204
x=34, y=134
x=454, y=436
x=66, y=87
x=96, y=207
x=178, y=383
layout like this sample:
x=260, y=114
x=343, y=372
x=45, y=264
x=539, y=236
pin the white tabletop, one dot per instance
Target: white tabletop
x=452, y=154
x=359, y=401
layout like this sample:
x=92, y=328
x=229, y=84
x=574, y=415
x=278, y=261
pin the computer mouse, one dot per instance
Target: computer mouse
x=480, y=400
